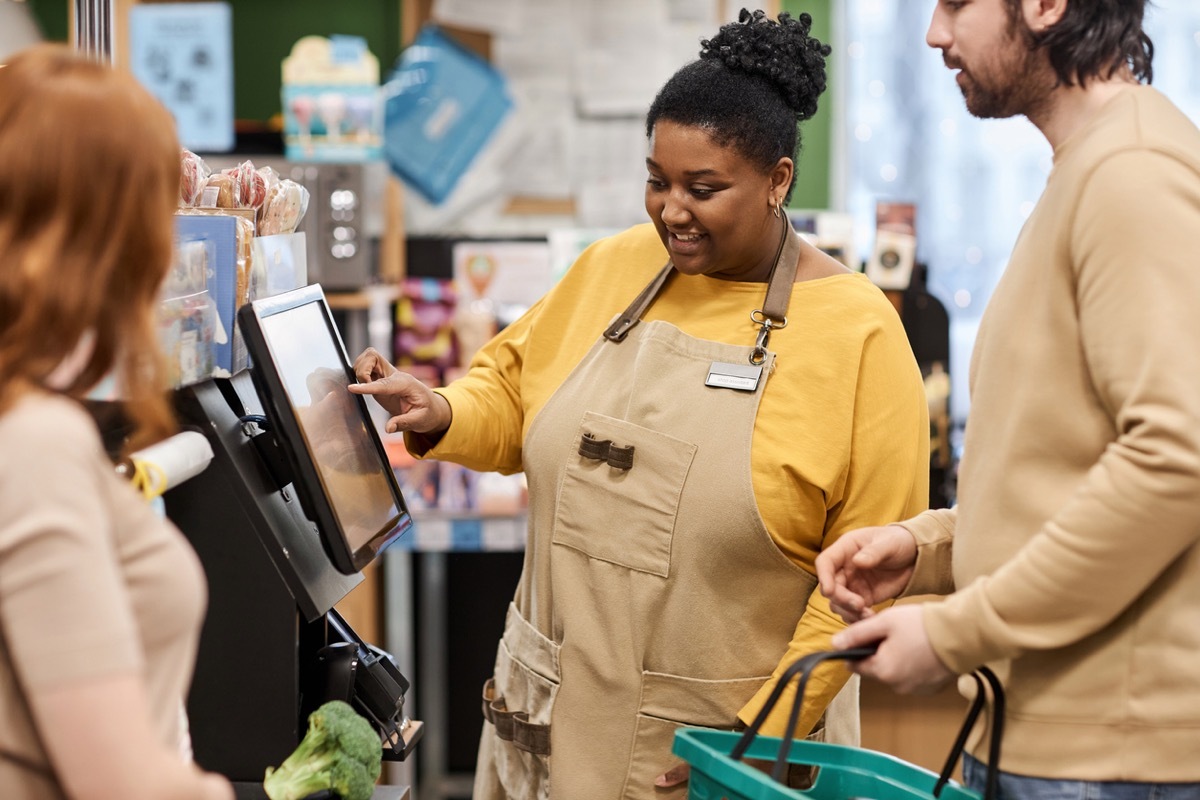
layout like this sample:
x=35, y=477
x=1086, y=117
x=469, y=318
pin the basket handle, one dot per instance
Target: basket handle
x=804, y=668
x=960, y=743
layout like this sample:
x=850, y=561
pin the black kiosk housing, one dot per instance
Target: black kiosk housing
x=298, y=498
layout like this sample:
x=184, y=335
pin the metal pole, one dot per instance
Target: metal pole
x=94, y=29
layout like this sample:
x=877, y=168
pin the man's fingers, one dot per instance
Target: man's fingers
x=869, y=557
x=829, y=566
x=869, y=630
x=849, y=615
x=842, y=597
x=674, y=776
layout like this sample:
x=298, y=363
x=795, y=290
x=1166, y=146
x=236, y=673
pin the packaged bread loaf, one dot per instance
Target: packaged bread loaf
x=220, y=190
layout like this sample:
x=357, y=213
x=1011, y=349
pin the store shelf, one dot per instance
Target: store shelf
x=418, y=626
x=460, y=531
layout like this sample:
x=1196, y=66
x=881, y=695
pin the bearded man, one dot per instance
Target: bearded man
x=1070, y=562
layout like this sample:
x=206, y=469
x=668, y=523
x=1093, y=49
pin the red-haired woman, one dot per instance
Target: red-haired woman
x=101, y=600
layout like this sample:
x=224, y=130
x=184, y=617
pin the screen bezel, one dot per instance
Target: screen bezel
x=288, y=431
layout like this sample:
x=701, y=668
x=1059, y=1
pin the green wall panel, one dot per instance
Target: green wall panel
x=812, y=183
x=263, y=34
x=265, y=30
x=51, y=16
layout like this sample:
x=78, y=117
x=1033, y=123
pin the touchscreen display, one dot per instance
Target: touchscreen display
x=310, y=364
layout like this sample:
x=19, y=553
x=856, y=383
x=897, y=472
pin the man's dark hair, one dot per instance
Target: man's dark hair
x=1094, y=39
x=753, y=82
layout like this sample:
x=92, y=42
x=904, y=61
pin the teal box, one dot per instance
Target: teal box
x=441, y=106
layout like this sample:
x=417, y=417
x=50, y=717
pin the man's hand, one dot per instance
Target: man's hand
x=865, y=567
x=412, y=404
x=905, y=660
x=674, y=776
x=679, y=774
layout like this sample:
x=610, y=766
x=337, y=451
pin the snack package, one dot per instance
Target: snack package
x=284, y=208
x=193, y=175
x=219, y=190
x=187, y=316
x=243, y=184
x=265, y=179
x=245, y=264
x=245, y=251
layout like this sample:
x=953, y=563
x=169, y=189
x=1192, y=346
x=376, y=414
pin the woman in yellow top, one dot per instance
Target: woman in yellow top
x=689, y=449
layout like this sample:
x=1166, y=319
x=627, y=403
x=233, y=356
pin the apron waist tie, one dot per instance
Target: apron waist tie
x=514, y=726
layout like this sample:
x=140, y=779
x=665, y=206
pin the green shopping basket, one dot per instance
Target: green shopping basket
x=841, y=773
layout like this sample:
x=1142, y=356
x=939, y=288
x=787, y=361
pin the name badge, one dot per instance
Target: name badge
x=743, y=377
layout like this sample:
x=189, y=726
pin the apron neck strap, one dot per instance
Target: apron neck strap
x=783, y=275
x=621, y=326
x=779, y=288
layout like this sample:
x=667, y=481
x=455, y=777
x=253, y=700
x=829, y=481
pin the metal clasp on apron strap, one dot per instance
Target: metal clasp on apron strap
x=759, y=354
x=772, y=316
x=514, y=726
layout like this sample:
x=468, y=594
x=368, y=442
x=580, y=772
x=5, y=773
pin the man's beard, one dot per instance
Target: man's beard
x=1018, y=82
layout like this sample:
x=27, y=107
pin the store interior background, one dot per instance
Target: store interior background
x=891, y=127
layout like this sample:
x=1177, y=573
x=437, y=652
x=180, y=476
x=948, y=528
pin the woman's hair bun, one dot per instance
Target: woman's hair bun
x=783, y=53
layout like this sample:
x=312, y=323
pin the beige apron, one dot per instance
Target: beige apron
x=652, y=595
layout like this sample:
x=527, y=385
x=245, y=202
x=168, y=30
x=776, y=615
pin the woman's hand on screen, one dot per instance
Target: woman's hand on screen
x=372, y=366
x=413, y=405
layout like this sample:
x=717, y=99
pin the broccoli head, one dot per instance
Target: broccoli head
x=341, y=751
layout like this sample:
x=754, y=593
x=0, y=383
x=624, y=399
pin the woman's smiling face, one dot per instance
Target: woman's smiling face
x=712, y=206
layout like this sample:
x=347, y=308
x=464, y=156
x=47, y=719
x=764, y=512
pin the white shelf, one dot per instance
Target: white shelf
x=464, y=531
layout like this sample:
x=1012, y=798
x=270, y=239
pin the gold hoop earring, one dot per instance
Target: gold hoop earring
x=775, y=209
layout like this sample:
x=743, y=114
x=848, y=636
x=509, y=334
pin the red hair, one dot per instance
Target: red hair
x=89, y=180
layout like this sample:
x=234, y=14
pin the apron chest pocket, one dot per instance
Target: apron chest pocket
x=622, y=509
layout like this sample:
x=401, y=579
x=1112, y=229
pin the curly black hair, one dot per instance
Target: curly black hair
x=754, y=81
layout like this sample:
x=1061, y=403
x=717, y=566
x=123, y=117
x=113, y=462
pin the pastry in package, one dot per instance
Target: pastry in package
x=265, y=179
x=245, y=251
x=243, y=184
x=285, y=206
x=193, y=175
x=220, y=184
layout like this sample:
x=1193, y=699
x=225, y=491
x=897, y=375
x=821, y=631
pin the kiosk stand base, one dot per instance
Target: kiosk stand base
x=269, y=637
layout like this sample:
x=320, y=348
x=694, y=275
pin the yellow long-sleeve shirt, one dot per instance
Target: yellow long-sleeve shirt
x=841, y=439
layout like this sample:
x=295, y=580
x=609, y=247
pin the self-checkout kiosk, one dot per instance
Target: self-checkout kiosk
x=298, y=498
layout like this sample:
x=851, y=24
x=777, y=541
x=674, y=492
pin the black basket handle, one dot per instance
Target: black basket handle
x=960, y=743
x=804, y=668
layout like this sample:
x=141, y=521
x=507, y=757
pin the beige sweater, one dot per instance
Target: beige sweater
x=1074, y=538
x=92, y=584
